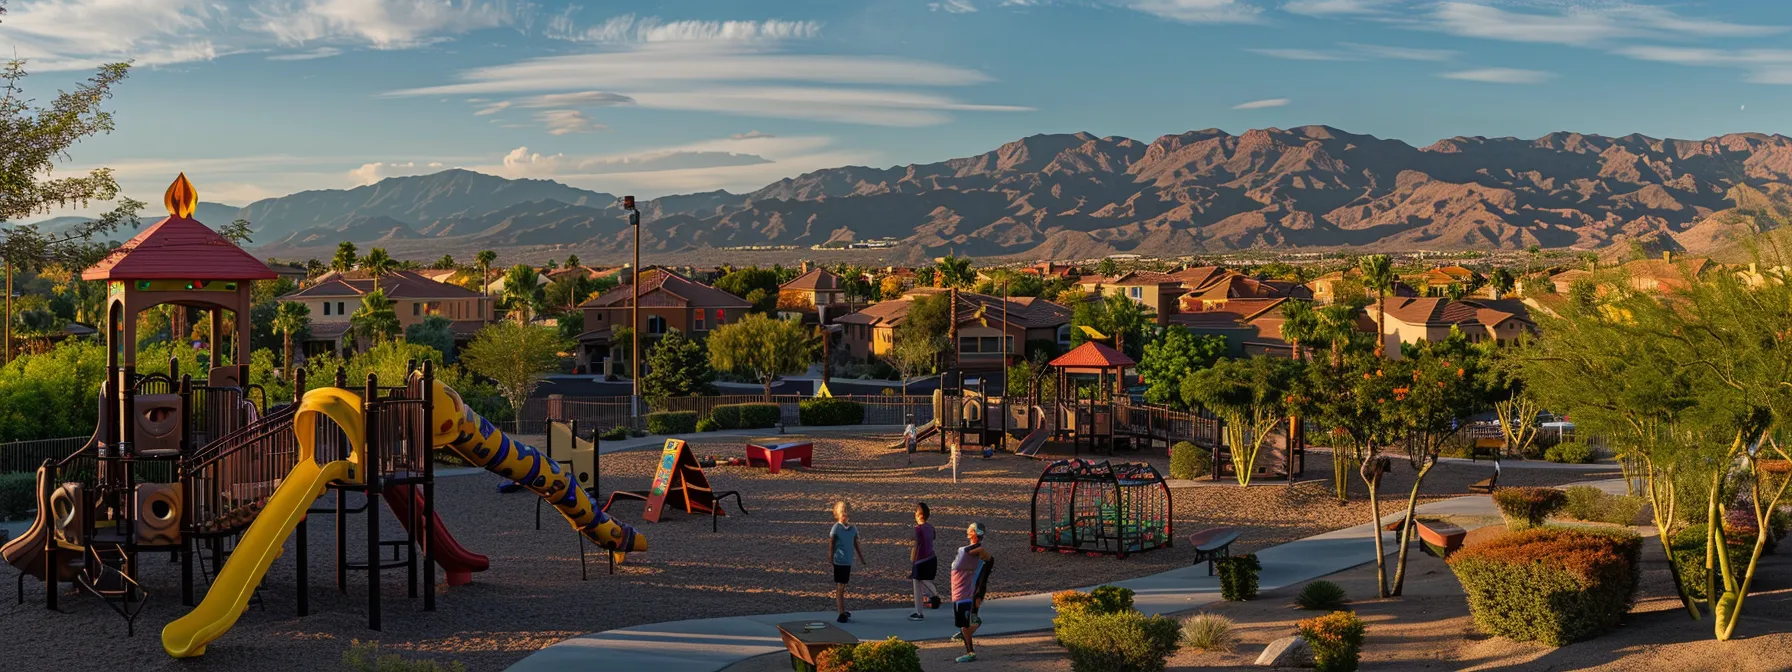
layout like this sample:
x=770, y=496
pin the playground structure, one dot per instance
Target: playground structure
x=184, y=468
x=1100, y=508
x=679, y=483
x=969, y=418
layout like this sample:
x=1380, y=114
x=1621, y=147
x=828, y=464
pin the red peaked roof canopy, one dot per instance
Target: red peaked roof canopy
x=179, y=248
x=1092, y=355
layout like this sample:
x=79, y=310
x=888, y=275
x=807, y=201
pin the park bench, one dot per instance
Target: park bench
x=1212, y=544
x=1484, y=486
x=806, y=640
x=1440, y=538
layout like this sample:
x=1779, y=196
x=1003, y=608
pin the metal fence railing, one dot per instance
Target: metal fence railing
x=27, y=456
x=607, y=412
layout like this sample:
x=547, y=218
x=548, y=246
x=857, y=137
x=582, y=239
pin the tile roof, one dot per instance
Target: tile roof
x=1093, y=355
x=179, y=248
x=1026, y=312
x=693, y=293
x=1440, y=311
x=816, y=279
x=397, y=285
x=1198, y=276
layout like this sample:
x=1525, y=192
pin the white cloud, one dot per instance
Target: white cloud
x=1335, y=7
x=370, y=173
x=953, y=6
x=487, y=109
x=859, y=106
x=750, y=135
x=1198, y=11
x=1261, y=104
x=628, y=29
x=567, y=122
x=1500, y=75
x=320, y=52
x=1582, y=24
x=1764, y=66
x=382, y=24
x=1401, y=53
x=577, y=99
x=1302, y=54
x=727, y=163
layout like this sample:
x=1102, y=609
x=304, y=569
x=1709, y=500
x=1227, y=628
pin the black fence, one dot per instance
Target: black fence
x=27, y=456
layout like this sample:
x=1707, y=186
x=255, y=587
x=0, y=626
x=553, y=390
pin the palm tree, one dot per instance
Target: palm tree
x=445, y=263
x=1378, y=276
x=572, y=261
x=378, y=263
x=956, y=272
x=522, y=291
x=1300, y=324
x=344, y=261
x=290, y=317
x=1337, y=330
x=375, y=320
x=484, y=260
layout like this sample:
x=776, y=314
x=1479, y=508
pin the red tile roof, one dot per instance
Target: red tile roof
x=817, y=279
x=655, y=278
x=179, y=248
x=397, y=285
x=1092, y=355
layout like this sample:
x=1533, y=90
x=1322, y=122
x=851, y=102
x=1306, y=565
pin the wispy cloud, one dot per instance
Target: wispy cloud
x=1500, y=75
x=1764, y=66
x=567, y=122
x=629, y=29
x=1303, y=54
x=489, y=108
x=1584, y=24
x=727, y=163
x=953, y=6
x=1336, y=7
x=577, y=99
x=320, y=52
x=1198, y=11
x=750, y=135
x=1352, y=51
x=1261, y=104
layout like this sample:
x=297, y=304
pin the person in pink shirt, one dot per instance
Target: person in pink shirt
x=967, y=573
x=924, y=566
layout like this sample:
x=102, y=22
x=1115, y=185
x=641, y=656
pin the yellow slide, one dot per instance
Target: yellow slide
x=266, y=537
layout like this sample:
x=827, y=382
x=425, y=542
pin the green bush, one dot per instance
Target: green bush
x=1121, y=642
x=1569, y=452
x=1111, y=599
x=1526, y=508
x=708, y=425
x=1689, y=557
x=890, y=655
x=827, y=411
x=18, y=494
x=1208, y=632
x=672, y=422
x=637, y=433
x=1189, y=461
x=366, y=657
x=1336, y=639
x=1238, y=577
x=1321, y=595
x=616, y=433
x=1551, y=585
x=1070, y=604
x=1591, y=504
x=747, y=416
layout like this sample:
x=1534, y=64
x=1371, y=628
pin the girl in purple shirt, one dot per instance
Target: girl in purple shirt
x=923, y=565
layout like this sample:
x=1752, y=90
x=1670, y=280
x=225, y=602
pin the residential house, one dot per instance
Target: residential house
x=1325, y=289
x=1048, y=270
x=1665, y=274
x=1251, y=326
x=1565, y=280
x=1410, y=320
x=1441, y=280
x=871, y=332
x=818, y=295
x=1155, y=292
x=293, y=272
x=335, y=296
x=669, y=302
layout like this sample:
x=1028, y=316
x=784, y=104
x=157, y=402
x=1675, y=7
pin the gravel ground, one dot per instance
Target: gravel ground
x=772, y=561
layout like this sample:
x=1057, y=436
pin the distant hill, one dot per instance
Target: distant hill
x=215, y=215
x=1080, y=196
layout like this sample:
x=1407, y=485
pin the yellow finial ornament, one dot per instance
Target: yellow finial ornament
x=181, y=198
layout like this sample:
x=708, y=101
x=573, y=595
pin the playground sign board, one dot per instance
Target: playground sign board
x=680, y=477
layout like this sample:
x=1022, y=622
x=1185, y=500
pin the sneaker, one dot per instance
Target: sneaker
x=958, y=636
x=966, y=658
x=843, y=618
x=933, y=602
x=916, y=617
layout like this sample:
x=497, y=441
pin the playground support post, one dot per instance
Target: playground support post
x=429, y=488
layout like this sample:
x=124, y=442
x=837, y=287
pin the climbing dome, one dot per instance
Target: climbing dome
x=1100, y=508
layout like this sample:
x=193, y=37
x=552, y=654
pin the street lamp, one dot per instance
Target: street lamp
x=634, y=309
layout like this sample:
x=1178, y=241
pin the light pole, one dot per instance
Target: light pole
x=634, y=309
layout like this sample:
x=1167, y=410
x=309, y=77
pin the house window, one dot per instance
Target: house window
x=326, y=307
x=1064, y=335
x=656, y=324
x=1137, y=293
x=339, y=308
x=698, y=324
x=990, y=344
x=967, y=344
x=416, y=309
x=600, y=317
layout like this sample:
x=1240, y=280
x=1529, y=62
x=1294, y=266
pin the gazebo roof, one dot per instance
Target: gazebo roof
x=179, y=248
x=1093, y=355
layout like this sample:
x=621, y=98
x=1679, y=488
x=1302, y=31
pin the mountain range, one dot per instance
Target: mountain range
x=1069, y=196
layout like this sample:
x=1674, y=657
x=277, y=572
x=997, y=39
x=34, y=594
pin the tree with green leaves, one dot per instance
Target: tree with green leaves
x=761, y=347
x=522, y=292
x=1444, y=384
x=1300, y=325
x=434, y=331
x=572, y=261
x=1116, y=317
x=565, y=293
x=1378, y=277
x=484, y=262
x=291, y=319
x=345, y=258
x=758, y=286
x=378, y=264
x=918, y=341
x=375, y=320
x=444, y=264
x=1169, y=360
x=677, y=366
x=1252, y=396
x=515, y=356
x=1352, y=398
x=1107, y=268
x=1502, y=281
x=957, y=272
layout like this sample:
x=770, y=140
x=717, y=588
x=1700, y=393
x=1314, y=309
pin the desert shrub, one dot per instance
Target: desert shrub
x=616, y=433
x=1689, y=556
x=1551, y=585
x=672, y=422
x=828, y=411
x=18, y=494
x=1111, y=599
x=637, y=433
x=1569, y=452
x=1591, y=504
x=890, y=655
x=1208, y=632
x=1238, y=577
x=1321, y=595
x=1071, y=604
x=366, y=657
x=1336, y=639
x=708, y=425
x=1528, y=507
x=1189, y=461
x=747, y=416
x=1121, y=642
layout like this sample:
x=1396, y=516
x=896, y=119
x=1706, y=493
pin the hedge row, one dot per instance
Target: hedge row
x=672, y=422
x=1551, y=585
x=828, y=411
x=747, y=416
x=890, y=655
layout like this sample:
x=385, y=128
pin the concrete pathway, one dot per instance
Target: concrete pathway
x=655, y=442
x=710, y=644
x=1530, y=464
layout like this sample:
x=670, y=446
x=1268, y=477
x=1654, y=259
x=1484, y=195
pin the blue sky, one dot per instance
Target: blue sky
x=260, y=98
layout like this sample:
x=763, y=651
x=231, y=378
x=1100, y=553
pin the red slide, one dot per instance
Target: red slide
x=454, y=558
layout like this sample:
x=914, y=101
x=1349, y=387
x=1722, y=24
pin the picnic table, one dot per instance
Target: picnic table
x=806, y=640
x=775, y=453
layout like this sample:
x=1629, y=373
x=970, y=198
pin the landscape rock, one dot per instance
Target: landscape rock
x=1290, y=651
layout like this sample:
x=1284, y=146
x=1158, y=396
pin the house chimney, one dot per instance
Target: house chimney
x=1667, y=255
x=805, y=266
